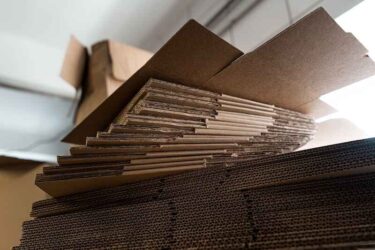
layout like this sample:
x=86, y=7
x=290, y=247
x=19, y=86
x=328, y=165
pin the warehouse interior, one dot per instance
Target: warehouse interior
x=47, y=50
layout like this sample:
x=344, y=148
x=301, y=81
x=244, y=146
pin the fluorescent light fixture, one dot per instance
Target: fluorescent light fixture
x=356, y=102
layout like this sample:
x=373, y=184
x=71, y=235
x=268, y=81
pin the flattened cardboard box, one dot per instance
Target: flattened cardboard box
x=241, y=174
x=292, y=70
x=100, y=74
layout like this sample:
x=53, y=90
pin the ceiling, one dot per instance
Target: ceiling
x=51, y=22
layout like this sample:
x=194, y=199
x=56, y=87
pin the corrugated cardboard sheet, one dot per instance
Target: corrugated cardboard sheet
x=280, y=202
x=308, y=59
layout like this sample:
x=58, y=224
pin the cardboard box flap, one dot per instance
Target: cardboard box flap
x=74, y=63
x=309, y=59
x=126, y=59
x=192, y=56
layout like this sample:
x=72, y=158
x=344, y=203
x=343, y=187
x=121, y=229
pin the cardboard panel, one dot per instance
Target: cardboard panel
x=126, y=59
x=74, y=63
x=309, y=59
x=192, y=56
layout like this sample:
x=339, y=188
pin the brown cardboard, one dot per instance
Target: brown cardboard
x=126, y=59
x=111, y=63
x=193, y=55
x=74, y=63
x=246, y=197
x=64, y=187
x=153, y=134
x=308, y=59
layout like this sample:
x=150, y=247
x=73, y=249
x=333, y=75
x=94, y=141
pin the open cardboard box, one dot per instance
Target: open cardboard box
x=292, y=70
x=110, y=64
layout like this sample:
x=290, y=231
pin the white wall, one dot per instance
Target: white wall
x=28, y=64
x=258, y=26
x=32, y=124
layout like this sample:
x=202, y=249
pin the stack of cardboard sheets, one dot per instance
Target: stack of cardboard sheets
x=168, y=128
x=314, y=199
x=321, y=198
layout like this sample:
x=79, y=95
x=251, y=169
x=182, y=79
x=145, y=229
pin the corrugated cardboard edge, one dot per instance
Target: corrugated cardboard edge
x=79, y=185
x=192, y=56
x=74, y=63
x=94, y=80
